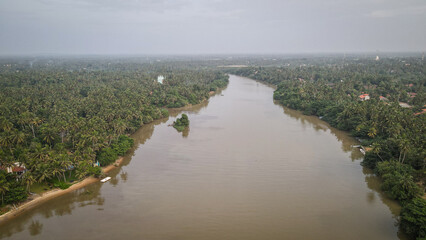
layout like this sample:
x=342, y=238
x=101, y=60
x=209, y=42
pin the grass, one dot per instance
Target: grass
x=3, y=210
x=39, y=188
x=72, y=178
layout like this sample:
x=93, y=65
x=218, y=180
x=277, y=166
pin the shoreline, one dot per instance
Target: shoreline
x=54, y=193
x=278, y=103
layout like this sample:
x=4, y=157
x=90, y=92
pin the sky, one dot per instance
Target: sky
x=211, y=26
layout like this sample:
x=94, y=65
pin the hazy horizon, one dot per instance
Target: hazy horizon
x=216, y=27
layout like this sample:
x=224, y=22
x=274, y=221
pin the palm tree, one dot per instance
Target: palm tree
x=18, y=137
x=33, y=122
x=5, y=124
x=4, y=186
x=29, y=180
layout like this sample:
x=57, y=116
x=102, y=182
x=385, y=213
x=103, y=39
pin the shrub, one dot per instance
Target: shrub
x=107, y=156
x=16, y=193
x=400, y=186
x=398, y=182
x=370, y=160
x=181, y=123
x=122, y=145
x=393, y=166
x=164, y=112
x=95, y=171
x=413, y=218
x=118, y=148
x=61, y=185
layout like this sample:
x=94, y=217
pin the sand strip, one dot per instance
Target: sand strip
x=37, y=200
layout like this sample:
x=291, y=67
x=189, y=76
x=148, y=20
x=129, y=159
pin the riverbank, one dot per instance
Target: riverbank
x=54, y=193
x=291, y=172
x=36, y=200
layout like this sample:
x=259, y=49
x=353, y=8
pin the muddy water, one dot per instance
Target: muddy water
x=246, y=169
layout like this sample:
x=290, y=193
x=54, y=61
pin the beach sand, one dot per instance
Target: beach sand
x=38, y=199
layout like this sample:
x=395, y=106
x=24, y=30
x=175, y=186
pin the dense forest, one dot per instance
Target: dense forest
x=382, y=103
x=63, y=118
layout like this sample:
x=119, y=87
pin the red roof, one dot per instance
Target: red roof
x=363, y=95
x=412, y=94
x=15, y=169
x=18, y=169
x=423, y=111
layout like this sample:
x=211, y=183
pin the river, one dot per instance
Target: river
x=247, y=168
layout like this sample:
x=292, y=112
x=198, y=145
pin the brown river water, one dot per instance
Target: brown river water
x=247, y=168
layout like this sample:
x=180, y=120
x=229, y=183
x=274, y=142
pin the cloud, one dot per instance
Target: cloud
x=405, y=11
x=210, y=26
x=119, y=5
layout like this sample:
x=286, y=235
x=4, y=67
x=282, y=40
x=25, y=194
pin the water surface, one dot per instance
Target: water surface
x=246, y=169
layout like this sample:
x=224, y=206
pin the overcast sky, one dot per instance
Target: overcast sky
x=210, y=26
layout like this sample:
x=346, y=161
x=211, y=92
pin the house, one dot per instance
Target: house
x=364, y=97
x=404, y=105
x=422, y=112
x=412, y=95
x=160, y=79
x=17, y=168
x=383, y=98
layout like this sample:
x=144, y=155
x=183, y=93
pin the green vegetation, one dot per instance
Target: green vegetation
x=60, y=116
x=118, y=148
x=61, y=185
x=181, y=123
x=332, y=89
x=398, y=180
x=11, y=190
x=413, y=218
x=39, y=188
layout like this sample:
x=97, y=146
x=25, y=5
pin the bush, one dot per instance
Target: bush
x=181, y=123
x=393, y=166
x=398, y=182
x=16, y=192
x=122, y=145
x=370, y=160
x=107, y=156
x=147, y=119
x=118, y=148
x=61, y=185
x=95, y=171
x=413, y=218
x=164, y=112
x=400, y=186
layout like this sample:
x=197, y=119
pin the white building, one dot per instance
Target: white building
x=160, y=79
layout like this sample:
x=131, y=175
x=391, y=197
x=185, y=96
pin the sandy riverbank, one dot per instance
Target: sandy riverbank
x=38, y=199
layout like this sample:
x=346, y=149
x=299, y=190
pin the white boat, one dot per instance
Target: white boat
x=106, y=179
x=362, y=151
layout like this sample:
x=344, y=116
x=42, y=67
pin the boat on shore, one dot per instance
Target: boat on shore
x=106, y=179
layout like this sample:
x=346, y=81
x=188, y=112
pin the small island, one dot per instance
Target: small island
x=181, y=123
